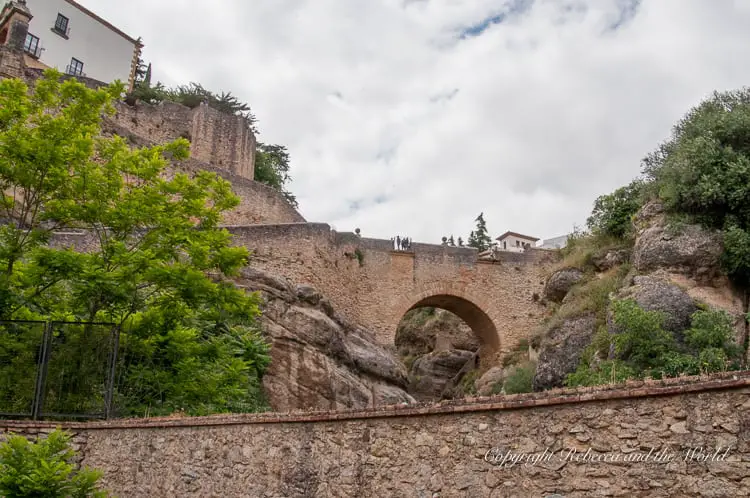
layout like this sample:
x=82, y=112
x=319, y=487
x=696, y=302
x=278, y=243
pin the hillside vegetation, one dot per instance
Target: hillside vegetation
x=657, y=286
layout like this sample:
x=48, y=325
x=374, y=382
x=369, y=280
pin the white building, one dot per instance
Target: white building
x=65, y=35
x=515, y=242
x=554, y=242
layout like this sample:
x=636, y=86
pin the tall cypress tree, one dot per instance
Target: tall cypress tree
x=479, y=237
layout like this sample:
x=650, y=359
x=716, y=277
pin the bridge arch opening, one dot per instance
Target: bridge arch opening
x=475, y=318
x=444, y=351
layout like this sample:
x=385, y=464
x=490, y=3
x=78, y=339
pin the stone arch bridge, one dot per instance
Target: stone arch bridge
x=374, y=286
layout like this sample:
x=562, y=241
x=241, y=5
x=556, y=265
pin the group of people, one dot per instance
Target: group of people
x=401, y=243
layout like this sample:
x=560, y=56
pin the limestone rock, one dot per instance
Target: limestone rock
x=319, y=361
x=487, y=382
x=460, y=385
x=560, y=283
x=650, y=214
x=609, y=259
x=690, y=249
x=560, y=351
x=431, y=373
x=653, y=293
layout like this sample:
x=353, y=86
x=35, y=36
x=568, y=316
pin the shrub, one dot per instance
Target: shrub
x=605, y=372
x=613, y=212
x=520, y=379
x=43, y=469
x=643, y=341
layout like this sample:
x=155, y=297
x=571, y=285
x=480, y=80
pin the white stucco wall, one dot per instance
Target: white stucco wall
x=510, y=240
x=105, y=54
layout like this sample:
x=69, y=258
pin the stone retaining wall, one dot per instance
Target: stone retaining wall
x=636, y=440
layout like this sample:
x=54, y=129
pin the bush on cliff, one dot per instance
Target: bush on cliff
x=703, y=170
x=612, y=213
x=643, y=348
x=44, y=469
x=157, y=267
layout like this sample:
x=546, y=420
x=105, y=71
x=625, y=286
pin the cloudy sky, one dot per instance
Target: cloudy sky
x=413, y=116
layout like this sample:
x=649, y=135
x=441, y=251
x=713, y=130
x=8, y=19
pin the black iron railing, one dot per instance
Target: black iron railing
x=57, y=369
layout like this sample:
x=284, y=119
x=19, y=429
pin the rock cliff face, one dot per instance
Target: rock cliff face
x=562, y=350
x=318, y=361
x=440, y=349
x=671, y=268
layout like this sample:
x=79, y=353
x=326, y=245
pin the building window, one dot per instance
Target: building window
x=505, y=245
x=75, y=68
x=31, y=46
x=61, y=25
x=518, y=243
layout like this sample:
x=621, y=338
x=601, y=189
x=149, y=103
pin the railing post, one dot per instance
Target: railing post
x=41, y=377
x=110, y=387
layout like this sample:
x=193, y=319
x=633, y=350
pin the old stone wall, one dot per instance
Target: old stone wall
x=684, y=437
x=373, y=286
x=217, y=139
x=11, y=63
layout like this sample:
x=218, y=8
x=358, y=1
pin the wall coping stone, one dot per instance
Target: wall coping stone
x=628, y=390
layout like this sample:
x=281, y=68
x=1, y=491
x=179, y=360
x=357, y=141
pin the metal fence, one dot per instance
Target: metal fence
x=57, y=369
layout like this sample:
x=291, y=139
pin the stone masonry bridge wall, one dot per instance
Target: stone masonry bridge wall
x=378, y=289
x=637, y=438
x=374, y=286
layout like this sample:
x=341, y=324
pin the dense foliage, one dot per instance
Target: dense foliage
x=44, y=469
x=703, y=171
x=157, y=267
x=613, y=212
x=641, y=347
x=272, y=169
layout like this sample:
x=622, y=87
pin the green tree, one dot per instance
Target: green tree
x=44, y=469
x=612, y=213
x=160, y=265
x=272, y=169
x=479, y=237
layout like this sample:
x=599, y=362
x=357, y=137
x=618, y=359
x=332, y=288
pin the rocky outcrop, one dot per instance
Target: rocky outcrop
x=560, y=350
x=559, y=283
x=319, y=361
x=486, y=384
x=463, y=382
x=688, y=249
x=653, y=293
x=607, y=260
x=432, y=373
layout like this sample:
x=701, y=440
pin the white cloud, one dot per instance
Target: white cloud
x=383, y=107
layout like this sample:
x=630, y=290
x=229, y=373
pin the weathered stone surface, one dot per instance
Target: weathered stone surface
x=559, y=283
x=461, y=385
x=689, y=249
x=489, y=379
x=560, y=350
x=431, y=373
x=653, y=293
x=611, y=258
x=439, y=450
x=419, y=334
x=318, y=360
